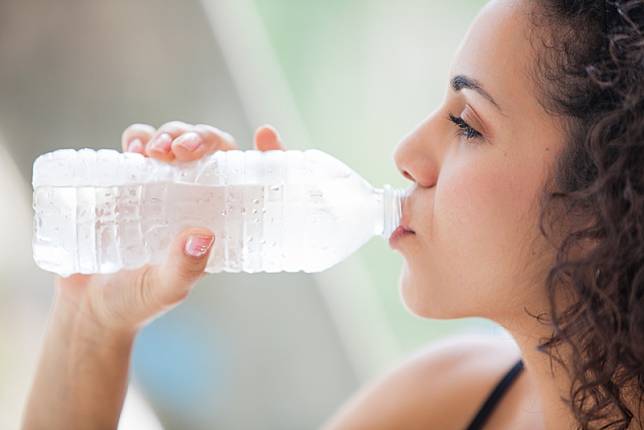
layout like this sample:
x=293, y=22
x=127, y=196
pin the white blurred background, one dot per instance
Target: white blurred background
x=260, y=351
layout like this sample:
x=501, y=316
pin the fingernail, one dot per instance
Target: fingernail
x=198, y=246
x=161, y=143
x=135, y=146
x=189, y=141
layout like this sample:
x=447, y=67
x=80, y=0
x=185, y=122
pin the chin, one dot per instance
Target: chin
x=425, y=300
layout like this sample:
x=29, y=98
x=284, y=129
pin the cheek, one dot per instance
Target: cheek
x=483, y=216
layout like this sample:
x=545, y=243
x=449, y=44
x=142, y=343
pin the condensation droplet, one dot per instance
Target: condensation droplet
x=254, y=211
x=256, y=201
x=273, y=244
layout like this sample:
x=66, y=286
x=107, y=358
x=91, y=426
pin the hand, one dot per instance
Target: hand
x=124, y=301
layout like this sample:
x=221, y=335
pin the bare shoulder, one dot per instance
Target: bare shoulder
x=440, y=386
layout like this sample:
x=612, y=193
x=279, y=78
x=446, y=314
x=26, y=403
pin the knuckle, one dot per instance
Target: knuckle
x=144, y=287
x=180, y=294
x=174, y=127
x=206, y=131
x=142, y=132
x=138, y=128
x=181, y=287
x=209, y=135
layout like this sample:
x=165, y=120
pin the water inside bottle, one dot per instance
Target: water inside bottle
x=269, y=228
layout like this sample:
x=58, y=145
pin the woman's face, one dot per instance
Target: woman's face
x=476, y=250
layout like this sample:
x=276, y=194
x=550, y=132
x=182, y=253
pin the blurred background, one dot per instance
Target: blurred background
x=245, y=351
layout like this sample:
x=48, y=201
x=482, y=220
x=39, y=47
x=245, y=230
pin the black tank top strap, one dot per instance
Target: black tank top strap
x=493, y=398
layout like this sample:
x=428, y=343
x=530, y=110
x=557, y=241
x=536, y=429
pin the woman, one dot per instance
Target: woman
x=527, y=208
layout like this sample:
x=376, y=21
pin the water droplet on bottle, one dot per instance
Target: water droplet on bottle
x=243, y=211
x=263, y=242
x=256, y=201
x=254, y=211
x=264, y=210
x=275, y=188
x=273, y=244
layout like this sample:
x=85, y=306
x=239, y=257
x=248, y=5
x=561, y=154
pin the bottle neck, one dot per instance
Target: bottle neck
x=392, y=202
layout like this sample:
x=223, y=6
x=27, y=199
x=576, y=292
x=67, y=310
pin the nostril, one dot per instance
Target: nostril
x=407, y=175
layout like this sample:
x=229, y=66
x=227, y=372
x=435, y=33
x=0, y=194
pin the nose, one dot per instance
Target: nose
x=416, y=156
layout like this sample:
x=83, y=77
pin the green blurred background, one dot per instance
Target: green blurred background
x=363, y=74
x=349, y=77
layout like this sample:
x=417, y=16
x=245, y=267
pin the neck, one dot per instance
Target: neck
x=547, y=378
x=549, y=381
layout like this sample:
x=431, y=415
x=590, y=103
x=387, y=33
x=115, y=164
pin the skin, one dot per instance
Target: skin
x=475, y=251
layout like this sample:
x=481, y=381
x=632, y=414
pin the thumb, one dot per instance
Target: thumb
x=169, y=283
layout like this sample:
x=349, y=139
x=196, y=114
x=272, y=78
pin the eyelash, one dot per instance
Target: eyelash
x=464, y=128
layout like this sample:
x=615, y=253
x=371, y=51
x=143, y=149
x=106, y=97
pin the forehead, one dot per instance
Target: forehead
x=497, y=52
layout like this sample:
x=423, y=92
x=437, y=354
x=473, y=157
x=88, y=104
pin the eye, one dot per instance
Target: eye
x=464, y=128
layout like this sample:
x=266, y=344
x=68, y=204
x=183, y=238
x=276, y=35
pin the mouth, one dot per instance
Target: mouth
x=398, y=234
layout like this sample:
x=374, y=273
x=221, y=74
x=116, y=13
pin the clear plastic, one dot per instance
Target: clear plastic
x=102, y=211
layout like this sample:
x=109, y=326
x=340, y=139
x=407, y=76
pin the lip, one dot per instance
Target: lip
x=398, y=234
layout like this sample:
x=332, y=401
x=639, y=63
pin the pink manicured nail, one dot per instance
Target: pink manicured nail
x=135, y=146
x=189, y=141
x=198, y=246
x=161, y=143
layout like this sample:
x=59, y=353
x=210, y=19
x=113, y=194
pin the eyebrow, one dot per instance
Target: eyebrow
x=459, y=82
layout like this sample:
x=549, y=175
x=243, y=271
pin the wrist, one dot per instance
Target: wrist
x=74, y=319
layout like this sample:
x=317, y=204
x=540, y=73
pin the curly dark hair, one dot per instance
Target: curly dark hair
x=590, y=73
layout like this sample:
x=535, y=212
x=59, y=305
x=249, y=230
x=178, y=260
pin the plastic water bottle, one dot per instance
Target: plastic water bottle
x=102, y=211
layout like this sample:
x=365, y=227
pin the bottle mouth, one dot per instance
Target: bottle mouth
x=393, y=199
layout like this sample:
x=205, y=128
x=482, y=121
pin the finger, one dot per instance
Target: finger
x=267, y=138
x=135, y=137
x=204, y=139
x=160, y=145
x=167, y=284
